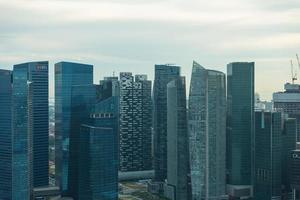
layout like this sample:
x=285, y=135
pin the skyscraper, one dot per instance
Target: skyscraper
x=288, y=144
x=97, y=167
x=289, y=102
x=30, y=124
x=268, y=135
x=240, y=129
x=163, y=75
x=66, y=75
x=135, y=122
x=6, y=134
x=83, y=100
x=178, y=173
x=207, y=133
x=295, y=172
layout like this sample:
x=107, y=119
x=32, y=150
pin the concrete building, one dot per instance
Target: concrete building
x=135, y=123
x=289, y=103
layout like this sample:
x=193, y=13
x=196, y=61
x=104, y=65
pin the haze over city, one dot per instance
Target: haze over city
x=123, y=35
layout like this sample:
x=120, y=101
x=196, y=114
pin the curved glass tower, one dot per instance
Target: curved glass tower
x=207, y=132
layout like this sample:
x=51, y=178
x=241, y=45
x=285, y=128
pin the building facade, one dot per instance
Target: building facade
x=135, y=122
x=295, y=172
x=98, y=173
x=6, y=134
x=207, y=133
x=66, y=75
x=178, y=173
x=240, y=129
x=83, y=100
x=289, y=103
x=163, y=75
x=268, y=136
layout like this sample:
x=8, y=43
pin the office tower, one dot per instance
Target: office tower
x=240, y=129
x=295, y=172
x=83, y=99
x=66, y=75
x=262, y=105
x=5, y=134
x=178, y=179
x=163, y=75
x=109, y=87
x=30, y=126
x=268, y=132
x=98, y=174
x=207, y=133
x=289, y=102
x=135, y=122
x=288, y=144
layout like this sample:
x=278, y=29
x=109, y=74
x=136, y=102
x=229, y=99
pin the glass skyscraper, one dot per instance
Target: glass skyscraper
x=66, y=75
x=207, y=133
x=30, y=128
x=5, y=134
x=240, y=129
x=83, y=99
x=163, y=75
x=178, y=173
x=98, y=169
x=268, y=135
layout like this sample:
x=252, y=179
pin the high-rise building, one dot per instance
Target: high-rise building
x=295, y=172
x=240, y=129
x=207, y=133
x=178, y=173
x=109, y=87
x=268, y=135
x=67, y=75
x=83, y=100
x=6, y=134
x=289, y=102
x=30, y=127
x=135, y=122
x=98, y=171
x=288, y=144
x=163, y=75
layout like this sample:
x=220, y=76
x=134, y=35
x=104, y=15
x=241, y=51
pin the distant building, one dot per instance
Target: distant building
x=288, y=144
x=240, y=129
x=268, y=135
x=207, y=133
x=6, y=134
x=135, y=123
x=289, y=102
x=262, y=105
x=295, y=172
x=98, y=174
x=109, y=87
x=66, y=75
x=178, y=173
x=163, y=75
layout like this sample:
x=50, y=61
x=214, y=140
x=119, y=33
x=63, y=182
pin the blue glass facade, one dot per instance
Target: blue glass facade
x=22, y=149
x=163, y=75
x=98, y=172
x=268, y=131
x=240, y=129
x=66, y=75
x=5, y=134
x=82, y=103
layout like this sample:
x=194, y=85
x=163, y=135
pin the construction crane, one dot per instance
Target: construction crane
x=298, y=61
x=294, y=74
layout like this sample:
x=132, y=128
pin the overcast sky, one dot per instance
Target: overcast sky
x=133, y=35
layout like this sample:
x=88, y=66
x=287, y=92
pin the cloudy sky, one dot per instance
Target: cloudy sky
x=133, y=35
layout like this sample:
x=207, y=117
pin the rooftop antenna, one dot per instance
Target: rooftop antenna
x=294, y=74
x=113, y=73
